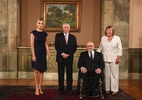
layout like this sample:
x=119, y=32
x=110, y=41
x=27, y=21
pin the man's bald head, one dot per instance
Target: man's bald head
x=90, y=46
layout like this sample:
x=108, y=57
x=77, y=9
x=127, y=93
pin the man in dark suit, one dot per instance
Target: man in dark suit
x=65, y=45
x=90, y=63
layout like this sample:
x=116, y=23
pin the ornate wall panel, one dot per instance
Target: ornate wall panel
x=135, y=60
x=24, y=60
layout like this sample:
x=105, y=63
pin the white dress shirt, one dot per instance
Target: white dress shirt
x=66, y=37
x=92, y=54
x=67, y=34
x=110, y=49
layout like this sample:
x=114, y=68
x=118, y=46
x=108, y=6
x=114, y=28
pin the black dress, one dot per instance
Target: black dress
x=40, y=51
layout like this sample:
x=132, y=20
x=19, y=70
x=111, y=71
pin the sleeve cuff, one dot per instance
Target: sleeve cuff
x=81, y=67
x=62, y=54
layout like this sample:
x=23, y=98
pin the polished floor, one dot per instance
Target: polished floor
x=131, y=87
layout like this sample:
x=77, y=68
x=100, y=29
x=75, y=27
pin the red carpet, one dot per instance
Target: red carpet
x=50, y=93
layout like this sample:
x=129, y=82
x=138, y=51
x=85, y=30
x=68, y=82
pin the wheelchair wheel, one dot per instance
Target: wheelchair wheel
x=101, y=96
x=81, y=96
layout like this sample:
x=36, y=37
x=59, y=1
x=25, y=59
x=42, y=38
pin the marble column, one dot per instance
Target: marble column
x=8, y=37
x=116, y=13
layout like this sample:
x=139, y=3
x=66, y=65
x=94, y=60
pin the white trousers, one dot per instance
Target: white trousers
x=111, y=76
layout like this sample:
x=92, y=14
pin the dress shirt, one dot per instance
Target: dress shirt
x=92, y=54
x=67, y=34
x=66, y=37
x=110, y=49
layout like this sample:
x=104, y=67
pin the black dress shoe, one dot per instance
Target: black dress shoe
x=69, y=92
x=101, y=96
x=60, y=92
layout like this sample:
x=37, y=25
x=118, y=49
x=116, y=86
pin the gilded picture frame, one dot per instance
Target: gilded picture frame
x=55, y=13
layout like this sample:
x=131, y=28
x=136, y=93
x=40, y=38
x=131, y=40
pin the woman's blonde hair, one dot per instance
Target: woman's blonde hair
x=40, y=19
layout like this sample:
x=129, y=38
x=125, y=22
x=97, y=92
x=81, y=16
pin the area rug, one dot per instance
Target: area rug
x=50, y=93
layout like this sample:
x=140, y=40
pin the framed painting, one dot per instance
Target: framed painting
x=55, y=13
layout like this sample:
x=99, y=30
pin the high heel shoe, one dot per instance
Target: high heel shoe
x=40, y=91
x=114, y=93
x=107, y=92
x=36, y=93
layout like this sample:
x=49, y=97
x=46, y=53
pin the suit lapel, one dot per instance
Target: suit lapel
x=63, y=38
x=87, y=55
x=68, y=39
x=94, y=54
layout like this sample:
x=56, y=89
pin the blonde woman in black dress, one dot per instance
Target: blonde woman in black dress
x=39, y=49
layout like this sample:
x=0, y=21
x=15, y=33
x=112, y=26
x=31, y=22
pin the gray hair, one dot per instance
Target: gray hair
x=64, y=24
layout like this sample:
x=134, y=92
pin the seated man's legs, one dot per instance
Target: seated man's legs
x=86, y=82
x=95, y=82
x=88, y=86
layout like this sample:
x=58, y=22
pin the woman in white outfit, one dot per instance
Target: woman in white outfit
x=111, y=48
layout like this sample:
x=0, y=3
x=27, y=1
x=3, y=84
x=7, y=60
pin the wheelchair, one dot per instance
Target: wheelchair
x=99, y=90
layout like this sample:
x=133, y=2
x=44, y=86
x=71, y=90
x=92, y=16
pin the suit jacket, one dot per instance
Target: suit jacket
x=62, y=47
x=87, y=62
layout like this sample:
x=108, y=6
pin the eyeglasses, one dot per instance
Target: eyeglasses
x=89, y=46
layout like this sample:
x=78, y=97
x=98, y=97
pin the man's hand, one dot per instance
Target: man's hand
x=98, y=70
x=65, y=55
x=83, y=70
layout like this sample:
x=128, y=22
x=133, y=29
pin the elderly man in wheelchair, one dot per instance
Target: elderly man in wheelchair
x=91, y=65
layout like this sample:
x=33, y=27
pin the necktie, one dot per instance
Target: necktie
x=66, y=38
x=91, y=56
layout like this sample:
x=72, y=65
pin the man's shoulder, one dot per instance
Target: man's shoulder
x=59, y=33
x=98, y=53
x=84, y=52
x=72, y=35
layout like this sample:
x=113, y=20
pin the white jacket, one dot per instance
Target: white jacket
x=110, y=49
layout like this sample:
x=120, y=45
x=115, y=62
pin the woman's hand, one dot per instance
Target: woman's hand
x=33, y=58
x=117, y=60
x=48, y=57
